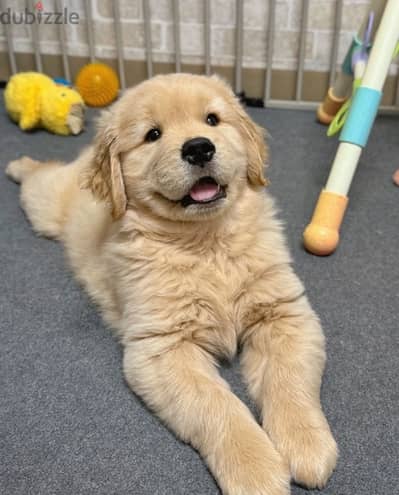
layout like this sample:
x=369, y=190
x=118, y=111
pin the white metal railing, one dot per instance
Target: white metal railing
x=297, y=102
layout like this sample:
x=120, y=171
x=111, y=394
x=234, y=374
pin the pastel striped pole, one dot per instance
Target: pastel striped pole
x=321, y=236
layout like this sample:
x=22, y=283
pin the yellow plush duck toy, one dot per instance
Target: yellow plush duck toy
x=35, y=100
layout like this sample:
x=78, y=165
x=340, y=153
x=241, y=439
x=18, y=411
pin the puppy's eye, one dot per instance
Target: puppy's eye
x=212, y=119
x=153, y=135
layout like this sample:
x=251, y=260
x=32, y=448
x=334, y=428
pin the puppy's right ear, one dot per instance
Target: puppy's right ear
x=103, y=175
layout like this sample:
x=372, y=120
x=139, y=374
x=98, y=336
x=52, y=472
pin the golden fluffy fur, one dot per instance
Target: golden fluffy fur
x=183, y=286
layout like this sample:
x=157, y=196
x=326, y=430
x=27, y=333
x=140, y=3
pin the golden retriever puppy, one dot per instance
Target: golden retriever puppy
x=166, y=223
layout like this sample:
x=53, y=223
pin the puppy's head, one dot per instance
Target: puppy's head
x=179, y=145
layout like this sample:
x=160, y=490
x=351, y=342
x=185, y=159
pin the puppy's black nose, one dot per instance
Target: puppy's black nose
x=198, y=151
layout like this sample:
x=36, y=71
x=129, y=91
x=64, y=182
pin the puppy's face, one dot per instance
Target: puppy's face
x=178, y=145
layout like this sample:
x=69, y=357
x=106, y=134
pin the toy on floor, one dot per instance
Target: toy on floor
x=64, y=82
x=321, y=236
x=98, y=84
x=34, y=100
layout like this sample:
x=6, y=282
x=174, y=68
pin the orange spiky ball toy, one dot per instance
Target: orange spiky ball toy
x=98, y=84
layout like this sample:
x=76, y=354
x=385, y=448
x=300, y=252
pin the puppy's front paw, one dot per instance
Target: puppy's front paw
x=263, y=482
x=310, y=449
x=254, y=470
x=313, y=458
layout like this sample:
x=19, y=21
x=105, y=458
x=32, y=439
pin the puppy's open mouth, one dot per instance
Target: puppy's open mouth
x=204, y=191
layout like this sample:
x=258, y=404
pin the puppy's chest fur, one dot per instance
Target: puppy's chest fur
x=197, y=291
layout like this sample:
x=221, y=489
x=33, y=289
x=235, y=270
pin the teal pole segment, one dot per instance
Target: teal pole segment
x=361, y=116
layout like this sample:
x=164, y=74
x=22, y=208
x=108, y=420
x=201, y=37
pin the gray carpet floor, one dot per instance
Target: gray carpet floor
x=69, y=424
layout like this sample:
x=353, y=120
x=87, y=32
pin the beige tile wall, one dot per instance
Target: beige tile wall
x=288, y=16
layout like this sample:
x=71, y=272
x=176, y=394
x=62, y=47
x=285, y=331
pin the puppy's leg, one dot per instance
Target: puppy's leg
x=18, y=170
x=44, y=187
x=283, y=360
x=182, y=385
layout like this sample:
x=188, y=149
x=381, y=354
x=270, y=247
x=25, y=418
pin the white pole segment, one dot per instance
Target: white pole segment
x=270, y=49
x=63, y=44
x=207, y=36
x=176, y=32
x=335, y=42
x=302, y=49
x=119, y=43
x=239, y=45
x=90, y=30
x=343, y=168
x=35, y=39
x=383, y=47
x=148, y=37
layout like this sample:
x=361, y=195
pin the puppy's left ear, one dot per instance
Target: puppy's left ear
x=257, y=150
x=103, y=176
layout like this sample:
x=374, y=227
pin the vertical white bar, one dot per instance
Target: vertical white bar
x=270, y=46
x=63, y=43
x=384, y=43
x=396, y=102
x=176, y=31
x=239, y=45
x=90, y=31
x=35, y=38
x=119, y=44
x=335, y=42
x=207, y=34
x=147, y=37
x=302, y=50
x=10, y=43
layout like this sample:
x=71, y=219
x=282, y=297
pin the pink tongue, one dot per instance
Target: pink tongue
x=204, y=191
